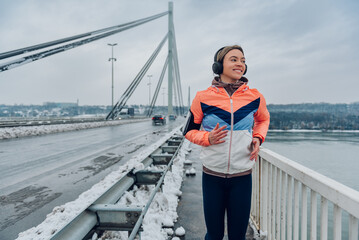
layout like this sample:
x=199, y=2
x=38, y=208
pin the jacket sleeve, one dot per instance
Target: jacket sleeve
x=192, y=130
x=261, y=120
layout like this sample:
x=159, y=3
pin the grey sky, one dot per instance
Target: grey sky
x=296, y=51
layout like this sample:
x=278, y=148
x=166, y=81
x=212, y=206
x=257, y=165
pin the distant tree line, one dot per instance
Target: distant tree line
x=318, y=116
x=69, y=110
x=316, y=121
x=50, y=110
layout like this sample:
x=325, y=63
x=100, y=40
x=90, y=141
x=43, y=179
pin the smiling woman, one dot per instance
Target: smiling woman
x=235, y=122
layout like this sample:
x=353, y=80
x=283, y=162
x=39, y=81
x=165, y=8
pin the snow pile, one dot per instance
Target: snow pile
x=191, y=172
x=180, y=231
x=161, y=212
x=16, y=132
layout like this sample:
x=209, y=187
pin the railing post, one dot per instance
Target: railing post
x=313, y=215
x=304, y=212
x=296, y=210
x=264, y=195
x=324, y=219
x=278, y=208
x=289, y=207
x=269, y=204
x=283, y=202
x=273, y=201
x=259, y=191
x=353, y=228
x=337, y=229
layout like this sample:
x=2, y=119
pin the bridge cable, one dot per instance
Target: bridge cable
x=178, y=80
x=176, y=69
x=174, y=85
x=37, y=56
x=181, y=106
x=158, y=87
x=67, y=39
x=125, y=96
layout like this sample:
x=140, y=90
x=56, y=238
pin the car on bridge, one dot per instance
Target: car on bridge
x=172, y=117
x=158, y=119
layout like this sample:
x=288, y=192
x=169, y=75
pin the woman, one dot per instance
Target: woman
x=234, y=120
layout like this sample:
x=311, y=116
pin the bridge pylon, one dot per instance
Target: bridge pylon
x=170, y=57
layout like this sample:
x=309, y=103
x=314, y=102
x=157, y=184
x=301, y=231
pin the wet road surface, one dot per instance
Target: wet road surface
x=39, y=173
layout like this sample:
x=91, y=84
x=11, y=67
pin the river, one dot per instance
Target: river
x=333, y=154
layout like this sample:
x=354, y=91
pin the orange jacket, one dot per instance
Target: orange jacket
x=246, y=116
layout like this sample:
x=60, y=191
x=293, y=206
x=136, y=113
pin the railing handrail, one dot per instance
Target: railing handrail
x=341, y=195
x=285, y=202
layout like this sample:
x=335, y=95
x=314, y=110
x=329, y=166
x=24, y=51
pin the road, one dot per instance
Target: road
x=39, y=173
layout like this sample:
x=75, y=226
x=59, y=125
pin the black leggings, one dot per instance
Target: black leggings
x=231, y=194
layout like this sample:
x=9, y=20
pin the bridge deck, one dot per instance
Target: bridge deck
x=189, y=208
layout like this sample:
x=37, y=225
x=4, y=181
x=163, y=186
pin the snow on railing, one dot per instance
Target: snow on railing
x=290, y=201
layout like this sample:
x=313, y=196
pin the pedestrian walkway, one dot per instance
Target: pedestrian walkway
x=189, y=208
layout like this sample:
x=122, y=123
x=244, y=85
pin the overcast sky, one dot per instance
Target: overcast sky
x=296, y=51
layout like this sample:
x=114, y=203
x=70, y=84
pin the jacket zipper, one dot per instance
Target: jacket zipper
x=230, y=136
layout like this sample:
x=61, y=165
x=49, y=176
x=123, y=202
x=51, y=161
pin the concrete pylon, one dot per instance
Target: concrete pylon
x=170, y=57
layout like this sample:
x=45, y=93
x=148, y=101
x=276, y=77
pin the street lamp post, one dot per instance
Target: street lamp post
x=112, y=59
x=149, y=89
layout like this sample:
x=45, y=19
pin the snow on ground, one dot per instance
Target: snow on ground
x=16, y=132
x=162, y=211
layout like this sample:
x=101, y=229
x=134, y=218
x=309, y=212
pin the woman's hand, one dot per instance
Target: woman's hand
x=255, y=146
x=217, y=134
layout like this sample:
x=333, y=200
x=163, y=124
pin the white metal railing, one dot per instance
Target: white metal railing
x=290, y=201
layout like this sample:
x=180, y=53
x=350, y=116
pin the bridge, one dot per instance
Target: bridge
x=69, y=43
x=283, y=190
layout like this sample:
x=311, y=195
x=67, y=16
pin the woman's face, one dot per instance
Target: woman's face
x=233, y=66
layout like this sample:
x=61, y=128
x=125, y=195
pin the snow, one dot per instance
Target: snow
x=192, y=171
x=161, y=215
x=180, y=232
x=188, y=162
x=16, y=132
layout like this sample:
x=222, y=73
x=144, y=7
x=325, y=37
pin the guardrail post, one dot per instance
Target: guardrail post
x=161, y=159
x=146, y=177
x=115, y=217
x=169, y=149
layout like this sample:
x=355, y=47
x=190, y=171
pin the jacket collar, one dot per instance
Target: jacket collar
x=230, y=88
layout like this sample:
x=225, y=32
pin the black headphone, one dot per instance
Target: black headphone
x=217, y=67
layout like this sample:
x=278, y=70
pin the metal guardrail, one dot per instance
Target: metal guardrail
x=290, y=201
x=26, y=122
x=104, y=214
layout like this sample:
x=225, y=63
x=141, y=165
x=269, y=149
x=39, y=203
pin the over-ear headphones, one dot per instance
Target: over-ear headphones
x=217, y=67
